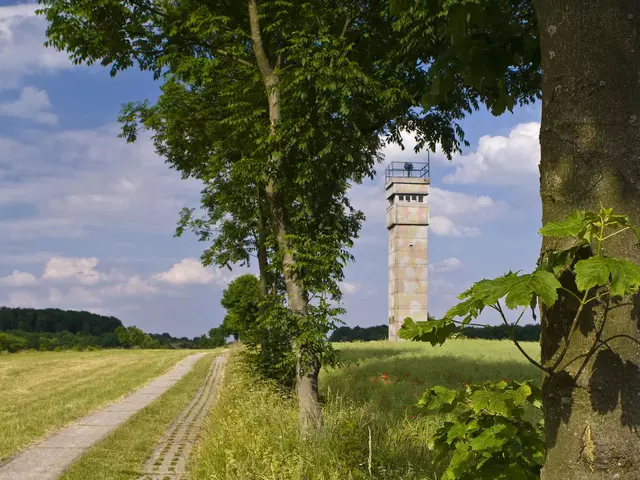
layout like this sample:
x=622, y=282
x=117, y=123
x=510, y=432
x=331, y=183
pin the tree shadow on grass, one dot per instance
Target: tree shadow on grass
x=392, y=381
x=358, y=354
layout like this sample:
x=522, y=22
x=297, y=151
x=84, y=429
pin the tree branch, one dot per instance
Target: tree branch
x=347, y=22
x=574, y=325
x=498, y=308
x=228, y=55
x=256, y=37
x=469, y=324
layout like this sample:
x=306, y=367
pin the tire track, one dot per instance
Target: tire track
x=169, y=458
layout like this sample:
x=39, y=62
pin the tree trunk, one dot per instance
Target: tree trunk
x=590, y=147
x=263, y=263
x=308, y=363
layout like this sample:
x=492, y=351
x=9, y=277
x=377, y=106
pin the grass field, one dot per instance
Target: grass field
x=370, y=429
x=122, y=453
x=42, y=391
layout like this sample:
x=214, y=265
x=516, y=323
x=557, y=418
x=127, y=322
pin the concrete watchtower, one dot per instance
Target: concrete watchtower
x=407, y=188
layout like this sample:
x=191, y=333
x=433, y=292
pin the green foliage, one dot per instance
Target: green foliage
x=11, y=343
x=432, y=331
x=522, y=333
x=476, y=51
x=365, y=334
x=241, y=300
x=486, y=434
x=264, y=326
x=50, y=320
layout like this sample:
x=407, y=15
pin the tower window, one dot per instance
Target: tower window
x=401, y=198
x=420, y=198
x=414, y=198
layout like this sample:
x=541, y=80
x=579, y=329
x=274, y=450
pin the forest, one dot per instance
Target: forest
x=52, y=329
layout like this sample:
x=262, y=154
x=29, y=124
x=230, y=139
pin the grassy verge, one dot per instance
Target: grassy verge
x=370, y=429
x=42, y=391
x=122, y=453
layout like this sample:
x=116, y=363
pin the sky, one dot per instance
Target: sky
x=87, y=221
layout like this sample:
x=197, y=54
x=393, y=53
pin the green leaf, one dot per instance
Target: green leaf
x=457, y=431
x=493, y=438
x=598, y=271
x=438, y=398
x=570, y=227
x=543, y=284
x=558, y=260
x=435, y=332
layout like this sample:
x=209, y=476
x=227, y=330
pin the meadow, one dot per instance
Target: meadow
x=370, y=431
x=42, y=391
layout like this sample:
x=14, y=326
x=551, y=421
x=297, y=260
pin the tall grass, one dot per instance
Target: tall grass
x=370, y=429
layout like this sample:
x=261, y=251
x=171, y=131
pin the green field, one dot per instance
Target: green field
x=42, y=391
x=370, y=426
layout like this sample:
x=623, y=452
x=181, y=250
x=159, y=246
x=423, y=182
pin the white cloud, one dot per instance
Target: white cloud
x=501, y=160
x=32, y=105
x=81, y=270
x=446, y=265
x=445, y=227
x=19, y=279
x=349, y=288
x=22, y=54
x=190, y=271
x=83, y=180
x=134, y=285
x=447, y=203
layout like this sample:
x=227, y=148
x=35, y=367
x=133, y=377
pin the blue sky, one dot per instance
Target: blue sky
x=87, y=221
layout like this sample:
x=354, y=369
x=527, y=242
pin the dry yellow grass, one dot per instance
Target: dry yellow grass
x=42, y=391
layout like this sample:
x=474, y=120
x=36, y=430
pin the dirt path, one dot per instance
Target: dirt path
x=47, y=459
x=169, y=458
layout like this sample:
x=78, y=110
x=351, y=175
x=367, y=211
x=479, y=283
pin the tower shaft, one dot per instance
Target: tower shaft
x=407, y=224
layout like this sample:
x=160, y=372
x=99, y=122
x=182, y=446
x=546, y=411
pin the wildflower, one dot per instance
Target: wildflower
x=384, y=376
x=412, y=417
x=407, y=374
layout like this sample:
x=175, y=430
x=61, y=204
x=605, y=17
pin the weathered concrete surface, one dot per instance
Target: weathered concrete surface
x=169, y=457
x=48, y=459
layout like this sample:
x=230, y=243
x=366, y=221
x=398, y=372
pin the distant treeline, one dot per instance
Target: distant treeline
x=366, y=334
x=523, y=333
x=54, y=329
x=52, y=320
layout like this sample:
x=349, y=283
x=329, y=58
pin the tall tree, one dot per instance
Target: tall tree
x=492, y=52
x=298, y=93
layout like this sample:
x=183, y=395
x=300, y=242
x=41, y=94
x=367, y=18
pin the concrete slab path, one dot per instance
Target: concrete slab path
x=48, y=459
x=169, y=458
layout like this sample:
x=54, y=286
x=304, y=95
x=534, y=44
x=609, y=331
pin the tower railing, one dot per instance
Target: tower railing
x=407, y=170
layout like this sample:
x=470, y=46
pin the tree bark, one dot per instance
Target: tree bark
x=263, y=263
x=590, y=156
x=308, y=363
